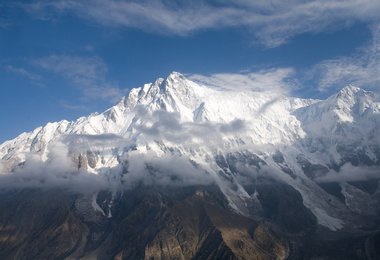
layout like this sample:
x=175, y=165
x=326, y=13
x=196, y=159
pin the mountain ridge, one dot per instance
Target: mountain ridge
x=212, y=135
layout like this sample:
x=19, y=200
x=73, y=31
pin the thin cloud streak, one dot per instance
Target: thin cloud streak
x=280, y=80
x=70, y=106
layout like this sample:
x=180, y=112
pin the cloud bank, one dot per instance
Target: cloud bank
x=57, y=170
x=148, y=169
x=167, y=126
x=145, y=158
x=348, y=172
x=156, y=154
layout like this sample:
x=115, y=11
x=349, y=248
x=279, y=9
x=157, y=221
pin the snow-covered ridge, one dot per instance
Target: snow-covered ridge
x=271, y=119
x=267, y=114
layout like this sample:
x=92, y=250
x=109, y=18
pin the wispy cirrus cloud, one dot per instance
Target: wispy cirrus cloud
x=362, y=68
x=88, y=74
x=270, y=22
x=281, y=80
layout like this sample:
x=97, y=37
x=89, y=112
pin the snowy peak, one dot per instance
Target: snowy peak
x=268, y=118
x=175, y=77
x=344, y=127
x=349, y=90
x=349, y=104
x=174, y=94
x=152, y=91
x=354, y=101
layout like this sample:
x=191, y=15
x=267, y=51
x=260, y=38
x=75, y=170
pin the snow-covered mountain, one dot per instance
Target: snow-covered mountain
x=176, y=131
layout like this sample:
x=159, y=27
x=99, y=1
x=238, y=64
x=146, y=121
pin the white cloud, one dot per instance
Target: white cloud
x=348, y=172
x=166, y=170
x=281, y=80
x=86, y=73
x=167, y=126
x=82, y=143
x=271, y=22
x=362, y=68
x=58, y=170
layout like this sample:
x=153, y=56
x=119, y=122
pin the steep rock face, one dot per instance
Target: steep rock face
x=38, y=224
x=163, y=223
x=155, y=224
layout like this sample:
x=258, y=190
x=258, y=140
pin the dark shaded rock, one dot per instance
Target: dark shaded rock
x=334, y=189
x=283, y=205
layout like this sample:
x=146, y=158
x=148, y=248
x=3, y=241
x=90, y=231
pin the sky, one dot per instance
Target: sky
x=64, y=59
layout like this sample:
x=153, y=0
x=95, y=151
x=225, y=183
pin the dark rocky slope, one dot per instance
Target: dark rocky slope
x=169, y=223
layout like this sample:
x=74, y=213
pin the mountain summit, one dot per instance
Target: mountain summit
x=177, y=133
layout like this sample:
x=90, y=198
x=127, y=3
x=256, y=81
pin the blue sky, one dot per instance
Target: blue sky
x=63, y=59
